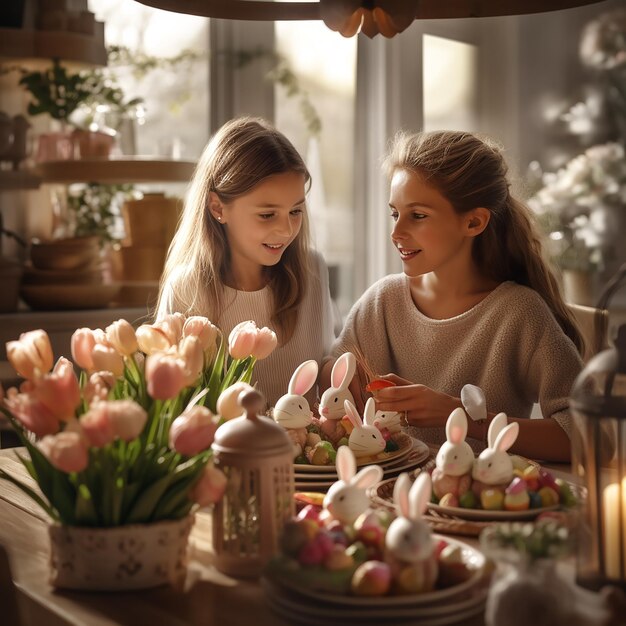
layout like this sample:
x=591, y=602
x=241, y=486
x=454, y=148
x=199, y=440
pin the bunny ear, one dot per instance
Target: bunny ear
x=346, y=463
x=473, y=400
x=368, y=477
x=496, y=426
x=343, y=371
x=352, y=413
x=370, y=412
x=456, y=426
x=507, y=436
x=401, y=494
x=303, y=378
x=419, y=496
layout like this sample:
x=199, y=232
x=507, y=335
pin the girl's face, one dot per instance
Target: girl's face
x=262, y=223
x=428, y=233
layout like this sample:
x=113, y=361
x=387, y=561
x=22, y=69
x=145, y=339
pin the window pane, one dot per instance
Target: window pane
x=450, y=84
x=325, y=66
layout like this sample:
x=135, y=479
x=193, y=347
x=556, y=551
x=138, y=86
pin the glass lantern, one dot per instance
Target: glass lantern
x=256, y=456
x=598, y=404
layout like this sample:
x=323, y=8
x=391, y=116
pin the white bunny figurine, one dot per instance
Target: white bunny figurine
x=474, y=402
x=292, y=410
x=390, y=420
x=494, y=466
x=365, y=439
x=409, y=546
x=331, y=407
x=455, y=459
x=347, y=498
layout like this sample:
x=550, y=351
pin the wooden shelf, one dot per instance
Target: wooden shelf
x=11, y=180
x=17, y=43
x=116, y=171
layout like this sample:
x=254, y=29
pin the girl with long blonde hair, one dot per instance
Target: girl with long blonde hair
x=476, y=302
x=242, y=249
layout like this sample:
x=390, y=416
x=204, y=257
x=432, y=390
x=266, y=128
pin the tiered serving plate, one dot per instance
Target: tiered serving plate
x=410, y=454
x=442, y=606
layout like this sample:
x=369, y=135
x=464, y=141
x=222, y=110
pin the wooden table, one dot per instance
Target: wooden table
x=213, y=600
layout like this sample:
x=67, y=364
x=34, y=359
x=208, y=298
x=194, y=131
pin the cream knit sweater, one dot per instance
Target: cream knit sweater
x=312, y=337
x=509, y=344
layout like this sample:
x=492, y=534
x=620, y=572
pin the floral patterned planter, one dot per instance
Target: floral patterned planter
x=120, y=558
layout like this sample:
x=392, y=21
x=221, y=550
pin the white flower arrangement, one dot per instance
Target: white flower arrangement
x=603, y=42
x=572, y=202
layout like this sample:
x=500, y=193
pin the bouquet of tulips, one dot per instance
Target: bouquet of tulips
x=129, y=439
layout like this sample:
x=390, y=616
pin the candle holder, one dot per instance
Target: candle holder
x=598, y=404
x=256, y=455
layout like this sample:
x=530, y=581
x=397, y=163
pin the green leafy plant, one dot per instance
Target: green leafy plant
x=130, y=440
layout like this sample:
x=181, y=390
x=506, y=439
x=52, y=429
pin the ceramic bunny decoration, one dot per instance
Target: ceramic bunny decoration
x=455, y=459
x=365, y=439
x=494, y=466
x=409, y=544
x=292, y=410
x=347, y=498
x=389, y=420
x=331, y=407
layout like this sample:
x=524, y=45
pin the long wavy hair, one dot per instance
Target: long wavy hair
x=242, y=153
x=471, y=172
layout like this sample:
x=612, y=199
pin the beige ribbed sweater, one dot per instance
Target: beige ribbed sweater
x=509, y=344
x=312, y=338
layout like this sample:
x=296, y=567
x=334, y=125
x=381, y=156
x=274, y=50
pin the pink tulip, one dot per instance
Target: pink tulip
x=165, y=375
x=211, y=486
x=98, y=386
x=172, y=327
x=193, y=431
x=96, y=425
x=108, y=359
x=31, y=413
x=82, y=344
x=151, y=339
x=266, y=341
x=190, y=351
x=201, y=327
x=59, y=391
x=242, y=340
x=31, y=356
x=127, y=418
x=66, y=451
x=121, y=335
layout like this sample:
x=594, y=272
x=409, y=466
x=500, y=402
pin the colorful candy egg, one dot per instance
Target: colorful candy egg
x=516, y=496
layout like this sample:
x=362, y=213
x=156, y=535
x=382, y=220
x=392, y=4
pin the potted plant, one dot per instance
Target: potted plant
x=122, y=454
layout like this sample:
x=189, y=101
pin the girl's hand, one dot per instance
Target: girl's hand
x=424, y=407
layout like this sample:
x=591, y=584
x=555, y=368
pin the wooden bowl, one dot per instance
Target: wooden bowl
x=65, y=254
x=62, y=297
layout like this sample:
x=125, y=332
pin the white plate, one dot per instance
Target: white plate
x=489, y=516
x=404, y=441
x=471, y=557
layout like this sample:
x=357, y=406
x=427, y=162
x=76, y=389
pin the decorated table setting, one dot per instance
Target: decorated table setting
x=153, y=488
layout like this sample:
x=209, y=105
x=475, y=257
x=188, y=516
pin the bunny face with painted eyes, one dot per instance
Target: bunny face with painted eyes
x=494, y=465
x=347, y=498
x=455, y=456
x=292, y=410
x=390, y=420
x=332, y=400
x=365, y=439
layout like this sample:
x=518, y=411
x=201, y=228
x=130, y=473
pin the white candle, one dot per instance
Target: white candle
x=611, y=530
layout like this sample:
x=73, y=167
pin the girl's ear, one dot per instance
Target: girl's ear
x=216, y=208
x=477, y=220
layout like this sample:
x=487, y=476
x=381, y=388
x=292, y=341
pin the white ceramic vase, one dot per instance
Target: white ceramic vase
x=135, y=556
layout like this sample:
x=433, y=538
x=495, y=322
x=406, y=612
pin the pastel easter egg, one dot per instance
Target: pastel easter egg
x=417, y=578
x=311, y=553
x=517, y=501
x=535, y=500
x=531, y=476
x=452, y=568
x=566, y=494
x=310, y=512
x=372, y=578
x=338, y=559
x=468, y=500
x=546, y=479
x=449, y=499
x=549, y=496
x=369, y=529
x=443, y=483
x=319, y=454
x=325, y=542
x=357, y=551
x=492, y=499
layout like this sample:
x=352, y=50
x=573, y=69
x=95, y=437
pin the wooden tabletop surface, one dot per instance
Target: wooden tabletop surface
x=212, y=599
